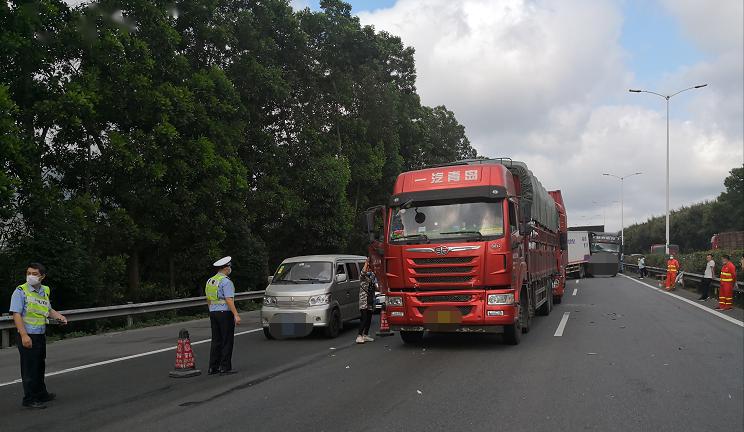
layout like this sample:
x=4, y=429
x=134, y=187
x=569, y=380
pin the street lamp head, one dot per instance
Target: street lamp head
x=700, y=86
x=605, y=174
x=637, y=173
x=634, y=90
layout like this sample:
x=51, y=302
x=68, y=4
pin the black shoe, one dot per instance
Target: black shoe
x=213, y=371
x=48, y=398
x=228, y=372
x=34, y=405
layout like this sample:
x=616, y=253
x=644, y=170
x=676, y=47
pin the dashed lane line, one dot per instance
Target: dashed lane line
x=120, y=359
x=575, y=291
x=690, y=302
x=562, y=324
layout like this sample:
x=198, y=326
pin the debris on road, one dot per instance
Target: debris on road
x=591, y=353
x=348, y=367
x=418, y=391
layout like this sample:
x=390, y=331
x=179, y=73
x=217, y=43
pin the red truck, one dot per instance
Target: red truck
x=471, y=246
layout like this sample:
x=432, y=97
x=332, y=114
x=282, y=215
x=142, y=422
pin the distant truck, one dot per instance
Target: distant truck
x=605, y=254
x=475, y=246
x=728, y=240
x=578, y=253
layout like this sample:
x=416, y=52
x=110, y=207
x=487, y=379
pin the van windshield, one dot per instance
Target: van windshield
x=304, y=272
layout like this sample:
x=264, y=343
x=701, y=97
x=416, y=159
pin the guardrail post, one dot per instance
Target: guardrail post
x=5, y=337
x=130, y=319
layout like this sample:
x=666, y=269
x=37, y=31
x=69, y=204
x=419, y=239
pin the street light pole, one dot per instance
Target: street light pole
x=622, y=208
x=667, y=97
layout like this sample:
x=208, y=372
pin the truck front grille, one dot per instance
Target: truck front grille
x=430, y=270
x=442, y=260
x=445, y=298
x=444, y=279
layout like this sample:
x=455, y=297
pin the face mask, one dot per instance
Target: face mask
x=32, y=280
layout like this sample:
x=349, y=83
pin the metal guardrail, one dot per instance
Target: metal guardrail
x=694, y=277
x=128, y=310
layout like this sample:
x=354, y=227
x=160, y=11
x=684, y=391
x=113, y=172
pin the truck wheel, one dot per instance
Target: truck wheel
x=513, y=333
x=582, y=273
x=557, y=299
x=334, y=325
x=412, y=337
x=268, y=334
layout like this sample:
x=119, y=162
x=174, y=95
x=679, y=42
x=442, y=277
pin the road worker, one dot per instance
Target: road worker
x=31, y=307
x=728, y=280
x=223, y=317
x=672, y=269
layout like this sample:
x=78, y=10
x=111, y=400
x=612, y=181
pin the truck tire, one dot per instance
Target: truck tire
x=334, y=325
x=267, y=334
x=412, y=337
x=557, y=299
x=582, y=272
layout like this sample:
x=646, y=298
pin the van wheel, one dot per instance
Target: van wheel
x=268, y=334
x=412, y=337
x=334, y=325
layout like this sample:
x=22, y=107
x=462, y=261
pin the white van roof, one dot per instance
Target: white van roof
x=328, y=257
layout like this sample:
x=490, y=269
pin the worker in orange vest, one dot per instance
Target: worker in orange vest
x=728, y=280
x=672, y=269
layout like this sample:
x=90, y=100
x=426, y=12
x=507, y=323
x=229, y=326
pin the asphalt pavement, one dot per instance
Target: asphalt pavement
x=629, y=358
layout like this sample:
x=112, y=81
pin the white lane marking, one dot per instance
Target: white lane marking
x=120, y=359
x=575, y=291
x=697, y=305
x=562, y=324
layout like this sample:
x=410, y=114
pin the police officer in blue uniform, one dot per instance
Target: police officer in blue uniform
x=223, y=317
x=31, y=308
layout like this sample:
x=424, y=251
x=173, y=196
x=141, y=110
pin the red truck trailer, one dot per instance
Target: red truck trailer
x=471, y=246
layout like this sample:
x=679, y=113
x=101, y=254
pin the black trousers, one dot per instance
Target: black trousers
x=223, y=335
x=705, y=287
x=365, y=321
x=33, y=367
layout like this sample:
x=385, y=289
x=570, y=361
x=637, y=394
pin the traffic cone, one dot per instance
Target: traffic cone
x=185, y=365
x=384, y=325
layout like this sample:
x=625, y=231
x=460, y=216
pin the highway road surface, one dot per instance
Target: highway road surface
x=616, y=355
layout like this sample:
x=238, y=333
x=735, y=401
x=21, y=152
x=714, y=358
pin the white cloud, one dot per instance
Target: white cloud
x=546, y=82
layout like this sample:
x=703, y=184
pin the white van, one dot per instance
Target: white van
x=312, y=291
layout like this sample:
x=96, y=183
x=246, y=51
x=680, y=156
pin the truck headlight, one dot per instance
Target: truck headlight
x=318, y=300
x=269, y=301
x=394, y=301
x=500, y=299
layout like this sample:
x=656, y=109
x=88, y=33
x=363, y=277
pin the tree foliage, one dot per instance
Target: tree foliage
x=141, y=140
x=692, y=227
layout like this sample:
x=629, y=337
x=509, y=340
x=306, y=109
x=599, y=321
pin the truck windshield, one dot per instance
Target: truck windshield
x=304, y=272
x=457, y=221
x=605, y=247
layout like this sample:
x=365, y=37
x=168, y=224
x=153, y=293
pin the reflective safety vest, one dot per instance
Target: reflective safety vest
x=672, y=265
x=211, y=290
x=37, y=305
x=727, y=272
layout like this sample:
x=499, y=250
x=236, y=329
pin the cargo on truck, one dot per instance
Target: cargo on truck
x=475, y=246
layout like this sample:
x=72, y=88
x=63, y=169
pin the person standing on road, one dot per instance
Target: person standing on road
x=31, y=307
x=728, y=280
x=366, y=302
x=642, y=267
x=223, y=317
x=710, y=267
x=672, y=269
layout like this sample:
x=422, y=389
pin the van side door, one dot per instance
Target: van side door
x=354, y=285
x=342, y=291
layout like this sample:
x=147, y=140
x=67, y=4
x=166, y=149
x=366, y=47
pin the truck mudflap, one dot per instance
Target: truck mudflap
x=461, y=329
